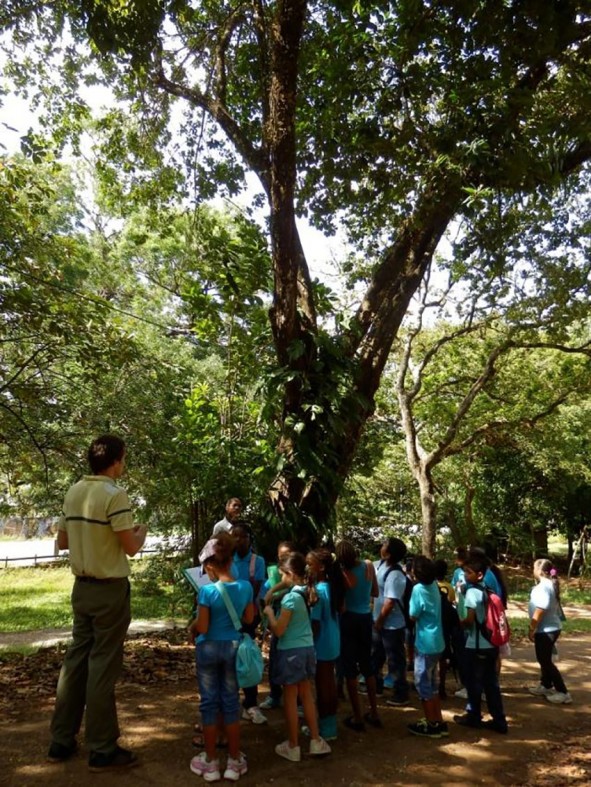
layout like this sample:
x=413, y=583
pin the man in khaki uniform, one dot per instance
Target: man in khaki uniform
x=97, y=528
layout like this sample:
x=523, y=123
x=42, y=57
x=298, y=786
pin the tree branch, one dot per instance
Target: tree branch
x=253, y=157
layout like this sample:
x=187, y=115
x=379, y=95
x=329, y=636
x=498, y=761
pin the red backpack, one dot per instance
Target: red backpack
x=495, y=627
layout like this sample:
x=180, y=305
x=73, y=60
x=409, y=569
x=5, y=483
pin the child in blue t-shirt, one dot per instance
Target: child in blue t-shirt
x=546, y=616
x=217, y=644
x=425, y=610
x=480, y=656
x=271, y=593
x=325, y=571
x=250, y=567
x=296, y=659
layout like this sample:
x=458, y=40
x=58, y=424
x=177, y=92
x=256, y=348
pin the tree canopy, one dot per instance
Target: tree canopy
x=400, y=121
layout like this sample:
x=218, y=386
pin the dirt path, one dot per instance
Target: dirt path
x=546, y=744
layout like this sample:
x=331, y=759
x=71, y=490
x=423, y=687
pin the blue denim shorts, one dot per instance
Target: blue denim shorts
x=218, y=686
x=426, y=674
x=294, y=665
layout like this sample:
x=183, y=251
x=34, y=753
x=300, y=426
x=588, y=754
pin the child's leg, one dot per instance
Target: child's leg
x=378, y=658
x=370, y=684
x=230, y=704
x=551, y=677
x=492, y=690
x=424, y=672
x=543, y=650
x=442, y=675
x=366, y=631
x=354, y=699
x=326, y=697
x=474, y=667
x=290, y=710
x=397, y=662
x=275, y=688
x=304, y=688
x=233, y=735
x=433, y=710
x=210, y=657
x=210, y=735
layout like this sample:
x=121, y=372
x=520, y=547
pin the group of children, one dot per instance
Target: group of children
x=337, y=616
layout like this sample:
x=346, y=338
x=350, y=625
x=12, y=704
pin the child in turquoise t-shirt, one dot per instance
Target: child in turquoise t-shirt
x=271, y=593
x=326, y=571
x=425, y=610
x=296, y=659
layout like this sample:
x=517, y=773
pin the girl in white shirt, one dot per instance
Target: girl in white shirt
x=546, y=617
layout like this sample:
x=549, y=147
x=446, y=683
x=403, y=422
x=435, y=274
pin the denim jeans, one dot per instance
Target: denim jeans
x=426, y=674
x=218, y=686
x=481, y=675
x=388, y=645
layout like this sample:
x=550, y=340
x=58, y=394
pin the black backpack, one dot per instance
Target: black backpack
x=450, y=622
x=405, y=605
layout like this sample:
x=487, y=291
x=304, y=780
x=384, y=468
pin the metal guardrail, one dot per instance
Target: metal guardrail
x=44, y=559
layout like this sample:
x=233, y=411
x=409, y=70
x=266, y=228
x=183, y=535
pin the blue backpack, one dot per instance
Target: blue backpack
x=249, y=659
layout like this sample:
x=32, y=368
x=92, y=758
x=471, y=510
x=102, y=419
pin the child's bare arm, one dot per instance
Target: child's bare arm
x=280, y=624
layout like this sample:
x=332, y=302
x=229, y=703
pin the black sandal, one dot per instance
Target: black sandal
x=377, y=722
x=350, y=722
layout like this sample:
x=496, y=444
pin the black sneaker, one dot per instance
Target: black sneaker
x=491, y=724
x=468, y=721
x=443, y=729
x=60, y=753
x=397, y=701
x=117, y=760
x=425, y=729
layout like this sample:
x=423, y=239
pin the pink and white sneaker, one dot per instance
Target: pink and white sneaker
x=236, y=768
x=209, y=769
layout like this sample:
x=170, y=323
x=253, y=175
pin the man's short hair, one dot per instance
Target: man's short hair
x=104, y=452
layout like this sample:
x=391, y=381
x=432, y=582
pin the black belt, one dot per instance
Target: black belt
x=97, y=581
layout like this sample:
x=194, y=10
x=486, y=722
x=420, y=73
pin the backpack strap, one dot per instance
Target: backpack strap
x=252, y=565
x=480, y=626
x=229, y=606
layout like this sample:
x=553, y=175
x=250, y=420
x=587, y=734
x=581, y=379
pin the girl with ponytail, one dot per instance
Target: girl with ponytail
x=546, y=617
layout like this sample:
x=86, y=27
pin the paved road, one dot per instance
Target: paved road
x=30, y=551
x=45, y=638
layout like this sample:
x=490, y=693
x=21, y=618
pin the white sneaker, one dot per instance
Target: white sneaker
x=319, y=746
x=291, y=753
x=540, y=691
x=235, y=768
x=559, y=698
x=209, y=769
x=269, y=703
x=461, y=694
x=254, y=715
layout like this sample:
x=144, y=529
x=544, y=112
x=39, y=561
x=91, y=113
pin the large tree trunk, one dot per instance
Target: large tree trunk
x=318, y=455
x=428, y=512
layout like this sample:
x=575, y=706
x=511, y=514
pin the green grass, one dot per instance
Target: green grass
x=39, y=598
x=520, y=626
